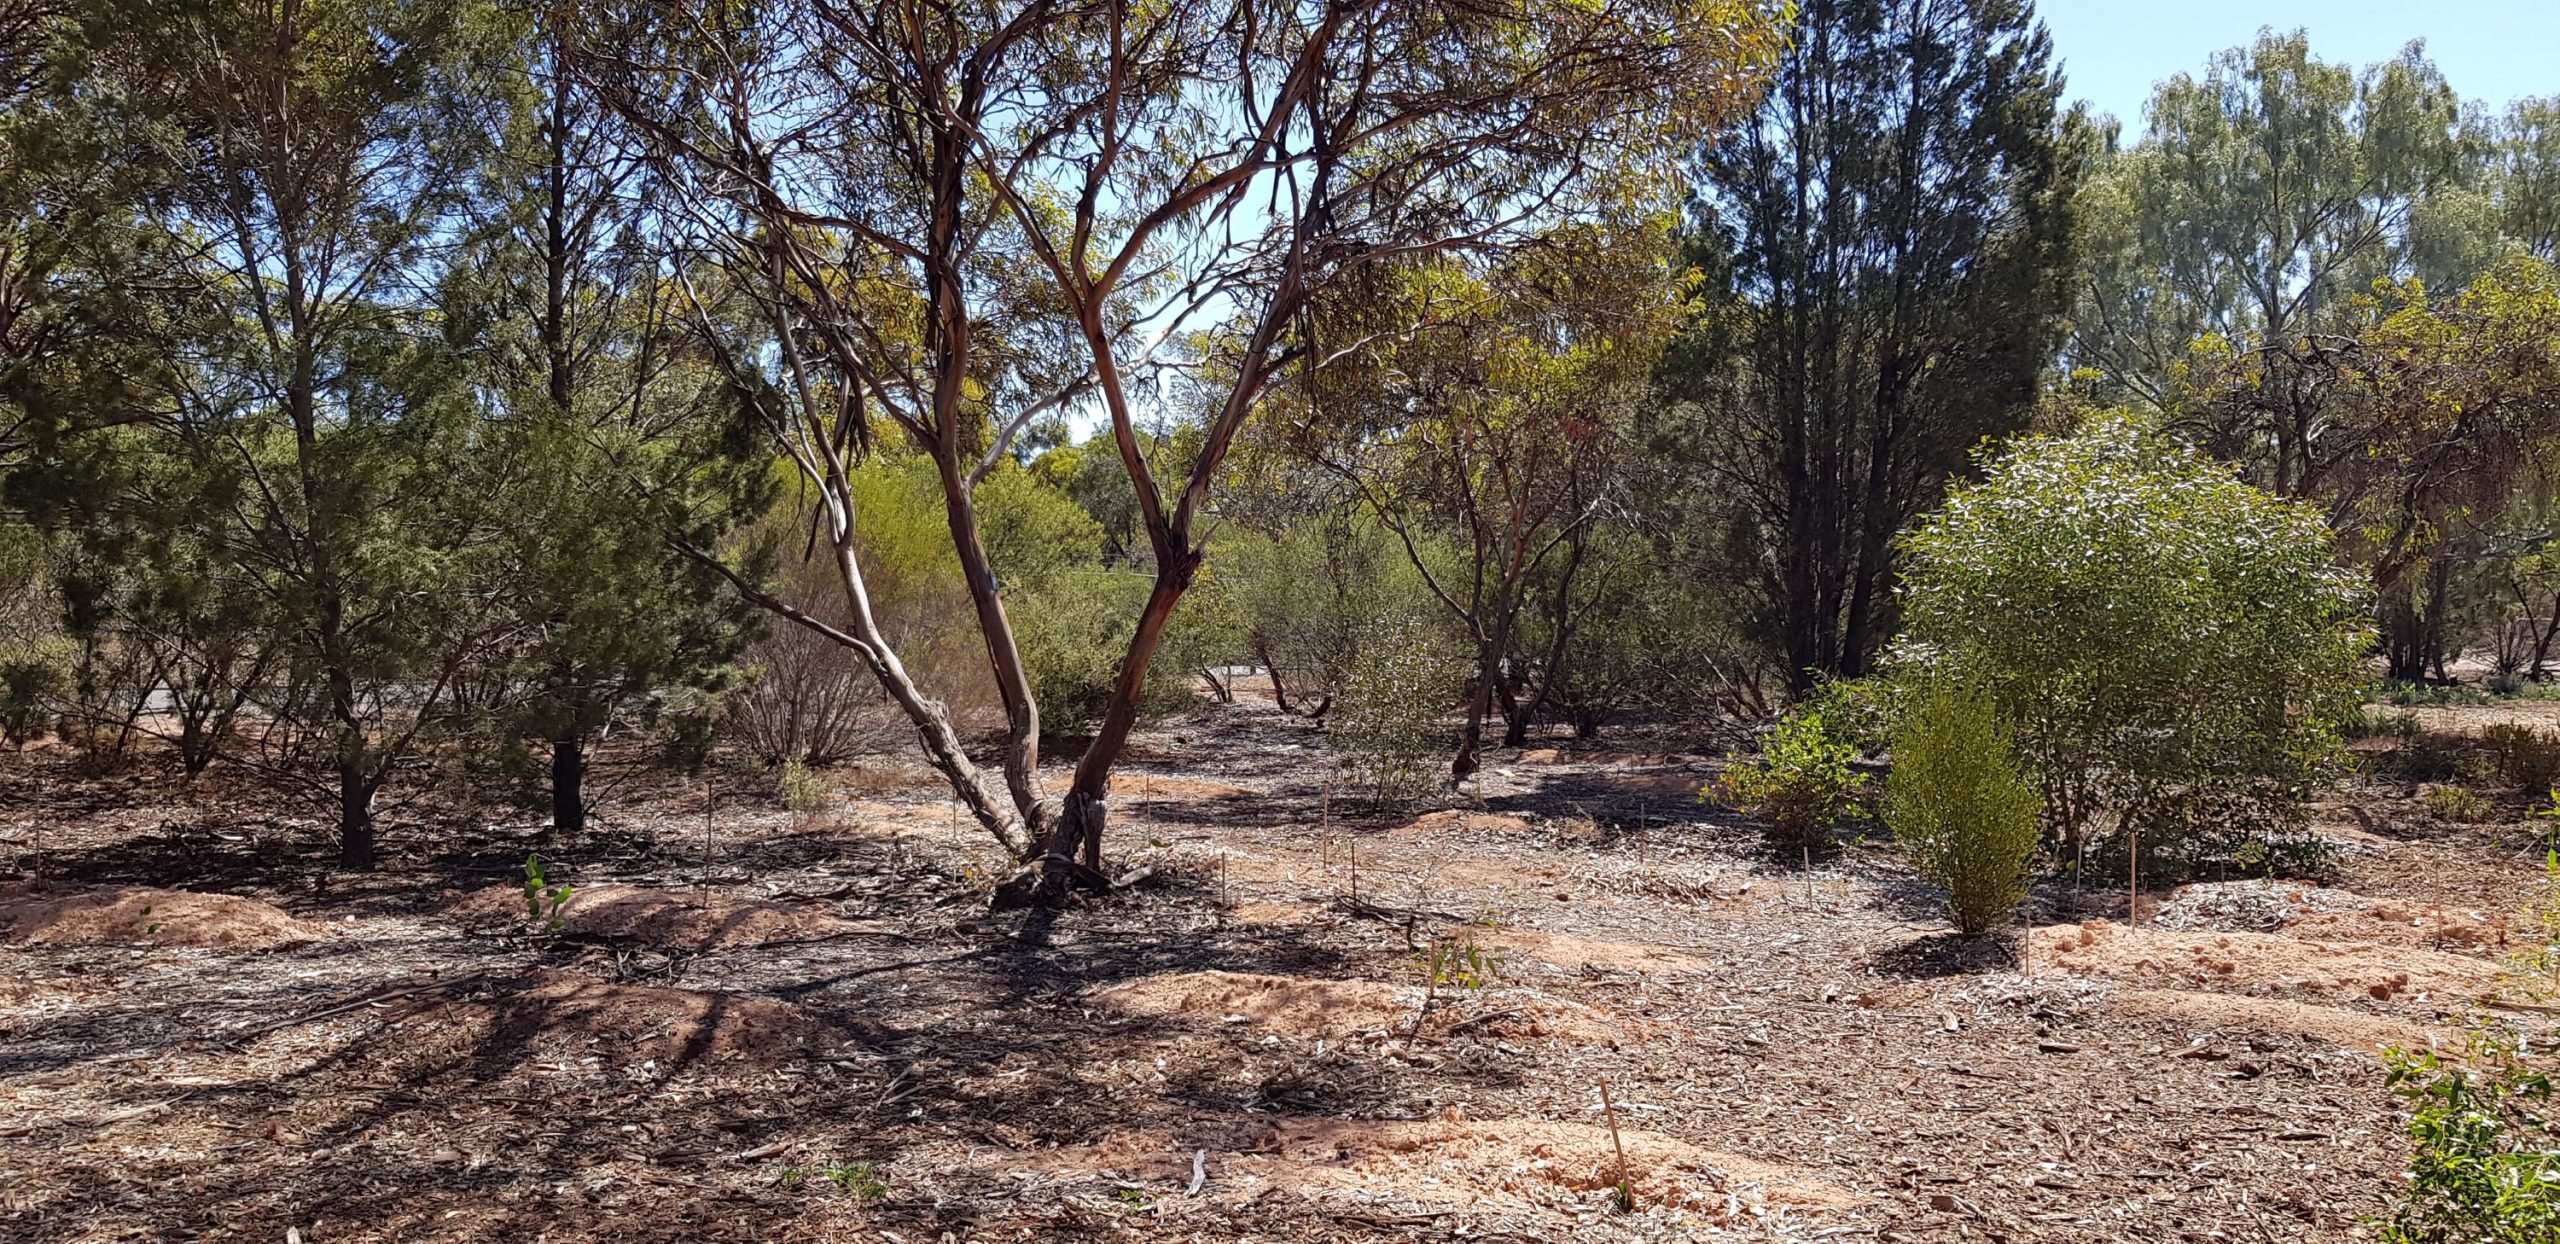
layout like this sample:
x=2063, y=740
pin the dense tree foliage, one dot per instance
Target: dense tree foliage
x=1890, y=238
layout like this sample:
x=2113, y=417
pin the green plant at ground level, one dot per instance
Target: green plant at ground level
x=543, y=897
x=1957, y=804
x=2371, y=723
x=859, y=1180
x=1802, y=783
x=1457, y=962
x=2457, y=805
x=803, y=791
x=2429, y=695
x=2485, y=1164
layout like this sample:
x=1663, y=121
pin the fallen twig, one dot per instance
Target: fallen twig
x=382, y=995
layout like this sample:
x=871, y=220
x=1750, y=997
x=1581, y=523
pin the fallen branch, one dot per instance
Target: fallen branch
x=1393, y=915
x=354, y=1004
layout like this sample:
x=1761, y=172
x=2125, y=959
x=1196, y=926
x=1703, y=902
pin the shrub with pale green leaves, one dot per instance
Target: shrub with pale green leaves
x=1959, y=807
x=2178, y=651
x=1390, y=726
x=803, y=791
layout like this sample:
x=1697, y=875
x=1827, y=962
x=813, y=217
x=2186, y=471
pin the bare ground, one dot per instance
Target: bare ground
x=205, y=1032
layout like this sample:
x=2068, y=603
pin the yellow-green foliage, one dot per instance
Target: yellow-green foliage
x=2459, y=805
x=1801, y=783
x=1957, y=805
x=2523, y=757
x=803, y=791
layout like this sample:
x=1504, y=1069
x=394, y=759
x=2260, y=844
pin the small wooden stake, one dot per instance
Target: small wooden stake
x=2133, y=884
x=706, y=830
x=1626, y=1189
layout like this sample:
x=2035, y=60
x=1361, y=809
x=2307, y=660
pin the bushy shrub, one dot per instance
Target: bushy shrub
x=1957, y=805
x=2431, y=695
x=2179, y=651
x=1802, y=783
x=1390, y=726
x=2457, y=805
x=2523, y=757
x=2485, y=1164
x=803, y=792
x=2370, y=722
x=1303, y=597
x=33, y=678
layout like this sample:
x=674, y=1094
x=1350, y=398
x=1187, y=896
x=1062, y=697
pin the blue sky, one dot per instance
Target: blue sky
x=2490, y=50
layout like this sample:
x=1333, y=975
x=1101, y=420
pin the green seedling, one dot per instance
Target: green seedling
x=543, y=897
x=859, y=1180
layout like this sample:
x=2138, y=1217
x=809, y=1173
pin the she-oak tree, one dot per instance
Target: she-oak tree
x=960, y=217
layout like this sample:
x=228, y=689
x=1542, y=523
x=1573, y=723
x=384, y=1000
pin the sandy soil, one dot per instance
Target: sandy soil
x=812, y=1031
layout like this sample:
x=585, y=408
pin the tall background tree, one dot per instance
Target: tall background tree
x=619, y=437
x=1890, y=242
x=2311, y=271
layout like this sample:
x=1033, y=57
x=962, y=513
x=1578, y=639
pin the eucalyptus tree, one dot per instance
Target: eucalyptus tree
x=1481, y=423
x=2260, y=199
x=1891, y=244
x=964, y=217
x=2525, y=175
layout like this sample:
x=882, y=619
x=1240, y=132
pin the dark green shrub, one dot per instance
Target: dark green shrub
x=1958, y=806
x=32, y=677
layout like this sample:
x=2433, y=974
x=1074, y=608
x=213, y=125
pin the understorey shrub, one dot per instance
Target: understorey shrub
x=2484, y=1166
x=2522, y=756
x=32, y=677
x=2372, y=722
x=1390, y=725
x=1957, y=804
x=2179, y=651
x=803, y=792
x=2457, y=805
x=1803, y=782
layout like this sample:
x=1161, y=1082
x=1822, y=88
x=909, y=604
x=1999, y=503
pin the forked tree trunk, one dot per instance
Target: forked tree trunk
x=1071, y=852
x=1515, y=716
x=1279, y=686
x=1004, y=654
x=1479, y=705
